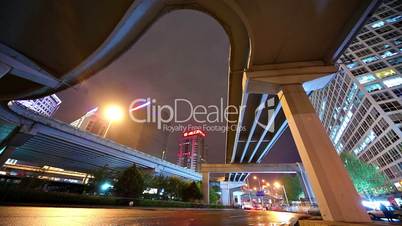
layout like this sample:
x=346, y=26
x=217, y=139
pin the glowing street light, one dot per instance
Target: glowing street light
x=263, y=181
x=113, y=113
x=255, y=177
x=106, y=186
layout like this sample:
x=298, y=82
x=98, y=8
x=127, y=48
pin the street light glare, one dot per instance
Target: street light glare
x=114, y=113
x=255, y=177
x=277, y=185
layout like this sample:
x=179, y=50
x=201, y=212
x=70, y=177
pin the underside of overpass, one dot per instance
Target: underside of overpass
x=275, y=47
x=31, y=138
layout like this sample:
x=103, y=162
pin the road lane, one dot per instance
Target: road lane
x=44, y=216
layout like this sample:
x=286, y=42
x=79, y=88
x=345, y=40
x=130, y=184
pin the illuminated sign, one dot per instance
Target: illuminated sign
x=195, y=132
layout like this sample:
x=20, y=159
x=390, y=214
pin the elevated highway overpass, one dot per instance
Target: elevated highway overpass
x=29, y=137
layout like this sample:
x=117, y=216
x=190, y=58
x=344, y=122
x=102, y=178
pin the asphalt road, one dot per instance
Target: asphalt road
x=138, y=216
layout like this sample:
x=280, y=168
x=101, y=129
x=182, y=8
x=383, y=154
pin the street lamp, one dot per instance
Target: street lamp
x=248, y=188
x=112, y=113
x=260, y=188
x=259, y=184
x=278, y=185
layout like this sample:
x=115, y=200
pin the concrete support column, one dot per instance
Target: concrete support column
x=225, y=194
x=205, y=187
x=335, y=193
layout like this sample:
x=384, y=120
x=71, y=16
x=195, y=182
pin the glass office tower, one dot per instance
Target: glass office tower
x=361, y=108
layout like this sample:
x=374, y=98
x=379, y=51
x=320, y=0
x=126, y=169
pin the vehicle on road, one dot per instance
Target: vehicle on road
x=247, y=206
x=376, y=214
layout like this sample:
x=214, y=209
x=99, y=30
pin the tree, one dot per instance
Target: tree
x=101, y=176
x=160, y=182
x=174, y=188
x=293, y=187
x=367, y=178
x=213, y=194
x=191, y=192
x=130, y=183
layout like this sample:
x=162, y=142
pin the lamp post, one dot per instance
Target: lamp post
x=260, y=188
x=112, y=113
x=278, y=185
x=248, y=188
x=259, y=183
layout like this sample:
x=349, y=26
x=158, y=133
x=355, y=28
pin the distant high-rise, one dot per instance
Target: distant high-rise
x=92, y=122
x=361, y=108
x=191, y=150
x=45, y=106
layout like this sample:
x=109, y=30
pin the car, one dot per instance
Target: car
x=313, y=210
x=376, y=214
x=247, y=206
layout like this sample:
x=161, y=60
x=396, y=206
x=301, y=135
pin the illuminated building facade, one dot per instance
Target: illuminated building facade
x=191, y=150
x=45, y=106
x=92, y=122
x=361, y=108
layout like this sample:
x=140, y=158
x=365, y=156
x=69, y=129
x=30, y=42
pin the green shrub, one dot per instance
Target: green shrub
x=13, y=194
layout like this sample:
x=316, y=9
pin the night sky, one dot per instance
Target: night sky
x=183, y=55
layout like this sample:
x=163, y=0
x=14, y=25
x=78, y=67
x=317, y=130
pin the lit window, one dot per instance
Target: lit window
x=394, y=81
x=373, y=87
x=353, y=65
x=398, y=41
x=388, y=53
x=393, y=19
x=363, y=79
x=369, y=59
x=381, y=47
x=385, y=73
x=378, y=24
x=366, y=141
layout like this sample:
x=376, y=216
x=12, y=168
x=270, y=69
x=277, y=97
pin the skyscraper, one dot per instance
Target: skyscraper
x=92, y=122
x=361, y=108
x=45, y=106
x=191, y=150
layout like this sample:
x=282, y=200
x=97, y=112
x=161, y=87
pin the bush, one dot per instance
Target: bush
x=191, y=192
x=130, y=183
x=13, y=194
